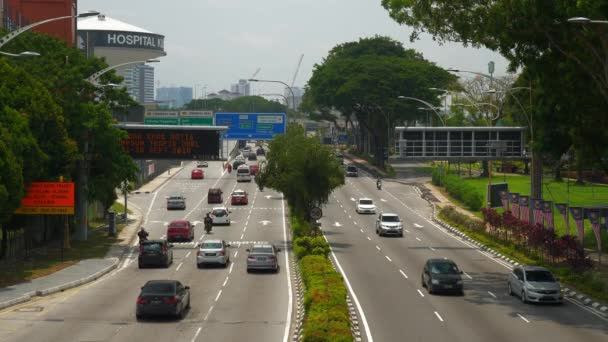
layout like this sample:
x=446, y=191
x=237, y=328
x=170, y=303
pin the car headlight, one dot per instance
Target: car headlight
x=435, y=281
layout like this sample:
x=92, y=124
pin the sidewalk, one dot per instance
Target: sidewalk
x=154, y=184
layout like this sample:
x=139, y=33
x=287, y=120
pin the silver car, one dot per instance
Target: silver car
x=176, y=202
x=389, y=224
x=263, y=257
x=212, y=252
x=534, y=284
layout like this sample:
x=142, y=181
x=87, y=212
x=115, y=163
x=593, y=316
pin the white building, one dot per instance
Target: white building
x=243, y=88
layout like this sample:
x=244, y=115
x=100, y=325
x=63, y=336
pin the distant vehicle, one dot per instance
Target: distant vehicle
x=237, y=163
x=260, y=151
x=366, y=206
x=243, y=174
x=252, y=156
x=247, y=148
x=176, y=202
x=155, y=252
x=180, y=230
x=351, y=171
x=389, y=224
x=163, y=297
x=239, y=197
x=215, y=195
x=442, y=275
x=220, y=215
x=534, y=284
x=254, y=168
x=202, y=164
x=263, y=257
x=212, y=252
x=197, y=174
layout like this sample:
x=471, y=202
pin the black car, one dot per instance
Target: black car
x=442, y=275
x=252, y=156
x=260, y=151
x=155, y=252
x=163, y=297
x=351, y=171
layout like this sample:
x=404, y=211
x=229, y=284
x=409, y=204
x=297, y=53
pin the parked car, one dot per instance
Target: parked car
x=389, y=224
x=534, y=284
x=366, y=206
x=215, y=195
x=260, y=151
x=243, y=174
x=212, y=252
x=220, y=215
x=155, y=252
x=352, y=171
x=442, y=275
x=197, y=174
x=176, y=202
x=254, y=168
x=263, y=257
x=239, y=197
x=163, y=297
x=202, y=164
x=180, y=230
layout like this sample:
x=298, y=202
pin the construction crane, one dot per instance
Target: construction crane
x=295, y=74
x=255, y=73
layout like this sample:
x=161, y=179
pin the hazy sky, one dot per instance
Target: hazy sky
x=217, y=42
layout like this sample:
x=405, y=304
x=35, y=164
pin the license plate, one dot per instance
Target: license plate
x=155, y=302
x=209, y=254
x=447, y=286
x=261, y=259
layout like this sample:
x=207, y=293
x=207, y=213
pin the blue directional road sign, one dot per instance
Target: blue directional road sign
x=251, y=126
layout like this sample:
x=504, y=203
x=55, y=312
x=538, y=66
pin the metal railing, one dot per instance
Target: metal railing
x=469, y=149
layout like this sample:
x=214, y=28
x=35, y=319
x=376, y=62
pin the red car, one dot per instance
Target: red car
x=239, y=197
x=197, y=174
x=180, y=230
x=254, y=168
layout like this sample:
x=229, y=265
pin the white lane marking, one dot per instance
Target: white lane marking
x=369, y=238
x=225, y=282
x=368, y=334
x=208, y=313
x=337, y=224
x=242, y=235
x=431, y=248
x=288, y=275
x=350, y=217
x=420, y=292
x=341, y=206
x=361, y=230
x=201, y=239
x=235, y=254
x=438, y=316
x=407, y=231
x=417, y=238
x=491, y=294
x=387, y=258
x=230, y=270
x=187, y=255
x=352, y=199
x=345, y=211
x=403, y=274
x=378, y=247
x=198, y=331
x=418, y=225
x=524, y=318
x=179, y=266
x=383, y=200
x=355, y=222
x=245, y=229
x=218, y=295
x=466, y=274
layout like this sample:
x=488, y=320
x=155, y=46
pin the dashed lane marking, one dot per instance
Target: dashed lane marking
x=378, y=247
x=467, y=275
x=420, y=292
x=225, y=282
x=218, y=295
x=198, y=331
x=387, y=258
x=417, y=238
x=179, y=266
x=438, y=316
x=524, y=318
x=491, y=294
x=403, y=274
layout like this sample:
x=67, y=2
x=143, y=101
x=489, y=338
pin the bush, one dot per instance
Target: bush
x=463, y=220
x=456, y=187
x=308, y=245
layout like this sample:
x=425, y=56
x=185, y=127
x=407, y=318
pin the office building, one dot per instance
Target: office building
x=139, y=81
x=173, y=97
x=243, y=88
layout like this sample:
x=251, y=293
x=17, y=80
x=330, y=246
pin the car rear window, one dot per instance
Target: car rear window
x=219, y=212
x=540, y=276
x=179, y=224
x=159, y=288
x=262, y=250
x=390, y=218
x=366, y=202
x=444, y=268
x=152, y=247
x=211, y=245
x=238, y=193
x=243, y=170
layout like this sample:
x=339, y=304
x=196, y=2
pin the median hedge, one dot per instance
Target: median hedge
x=456, y=187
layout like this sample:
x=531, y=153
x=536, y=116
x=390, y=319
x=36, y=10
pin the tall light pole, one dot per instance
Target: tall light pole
x=94, y=79
x=20, y=54
x=293, y=97
x=430, y=106
x=11, y=35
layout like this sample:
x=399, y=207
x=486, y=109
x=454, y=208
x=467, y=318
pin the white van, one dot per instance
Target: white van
x=243, y=174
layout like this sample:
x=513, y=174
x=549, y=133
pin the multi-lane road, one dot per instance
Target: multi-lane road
x=228, y=304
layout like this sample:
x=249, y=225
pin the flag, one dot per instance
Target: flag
x=548, y=214
x=515, y=204
x=562, y=208
x=504, y=198
x=537, y=206
x=524, y=207
x=594, y=217
x=577, y=215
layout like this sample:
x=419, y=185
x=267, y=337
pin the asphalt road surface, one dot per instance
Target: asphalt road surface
x=227, y=304
x=385, y=276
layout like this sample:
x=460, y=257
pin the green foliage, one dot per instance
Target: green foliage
x=458, y=188
x=307, y=245
x=243, y=104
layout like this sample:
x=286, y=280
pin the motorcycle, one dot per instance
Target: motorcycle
x=143, y=237
x=379, y=185
x=208, y=226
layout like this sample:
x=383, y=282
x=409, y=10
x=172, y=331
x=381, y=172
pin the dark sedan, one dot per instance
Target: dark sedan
x=442, y=275
x=161, y=298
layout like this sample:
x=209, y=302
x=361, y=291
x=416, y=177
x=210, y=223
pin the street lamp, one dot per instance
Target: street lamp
x=93, y=78
x=430, y=106
x=19, y=31
x=293, y=97
x=583, y=20
x=20, y=54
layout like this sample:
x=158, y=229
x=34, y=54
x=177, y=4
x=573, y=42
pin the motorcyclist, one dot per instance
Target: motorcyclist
x=229, y=167
x=379, y=183
x=208, y=223
x=142, y=234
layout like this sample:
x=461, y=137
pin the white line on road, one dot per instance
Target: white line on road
x=370, y=239
x=431, y=248
x=420, y=292
x=417, y=238
x=288, y=275
x=407, y=231
x=524, y=318
x=355, y=222
x=438, y=316
x=230, y=270
x=218, y=295
x=198, y=331
x=491, y=294
x=387, y=258
x=236, y=253
x=361, y=230
x=242, y=235
x=187, y=255
x=417, y=225
x=403, y=274
x=179, y=266
x=378, y=247
x=208, y=313
x=350, y=217
x=466, y=274
x=225, y=282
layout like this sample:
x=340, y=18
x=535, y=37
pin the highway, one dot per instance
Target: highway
x=227, y=304
x=384, y=274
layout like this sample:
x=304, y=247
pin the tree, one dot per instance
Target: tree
x=305, y=171
x=243, y=104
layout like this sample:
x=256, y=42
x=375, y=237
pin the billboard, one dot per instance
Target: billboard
x=48, y=198
x=253, y=126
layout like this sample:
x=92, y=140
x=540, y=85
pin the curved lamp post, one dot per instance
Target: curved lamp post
x=93, y=78
x=424, y=103
x=21, y=54
x=293, y=97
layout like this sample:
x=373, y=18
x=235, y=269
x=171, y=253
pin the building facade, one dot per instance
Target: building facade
x=139, y=81
x=242, y=87
x=174, y=97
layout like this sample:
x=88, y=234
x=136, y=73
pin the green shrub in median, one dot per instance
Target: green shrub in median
x=458, y=188
x=308, y=245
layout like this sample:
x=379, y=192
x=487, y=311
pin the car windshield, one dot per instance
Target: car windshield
x=351, y=169
x=219, y=212
x=179, y=224
x=262, y=250
x=175, y=198
x=444, y=268
x=211, y=245
x=151, y=247
x=159, y=288
x=540, y=276
x=366, y=202
x=390, y=218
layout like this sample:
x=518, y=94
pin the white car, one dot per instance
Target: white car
x=212, y=252
x=366, y=206
x=220, y=215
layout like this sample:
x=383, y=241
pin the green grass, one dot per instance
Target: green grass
x=580, y=195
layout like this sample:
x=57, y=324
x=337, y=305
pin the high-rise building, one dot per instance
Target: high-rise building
x=243, y=88
x=19, y=13
x=174, y=97
x=139, y=81
x=297, y=96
